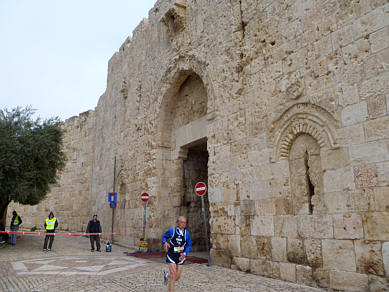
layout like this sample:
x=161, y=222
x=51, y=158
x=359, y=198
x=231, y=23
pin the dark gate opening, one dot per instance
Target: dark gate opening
x=195, y=170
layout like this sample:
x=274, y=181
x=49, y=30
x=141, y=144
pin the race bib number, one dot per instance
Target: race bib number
x=178, y=248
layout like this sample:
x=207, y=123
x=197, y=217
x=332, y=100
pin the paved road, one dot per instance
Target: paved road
x=72, y=267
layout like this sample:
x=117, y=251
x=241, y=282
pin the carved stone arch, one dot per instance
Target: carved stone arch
x=302, y=118
x=170, y=83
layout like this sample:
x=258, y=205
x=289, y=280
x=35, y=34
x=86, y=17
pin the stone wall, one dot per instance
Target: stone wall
x=296, y=126
x=69, y=198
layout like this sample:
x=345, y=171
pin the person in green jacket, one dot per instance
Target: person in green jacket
x=15, y=223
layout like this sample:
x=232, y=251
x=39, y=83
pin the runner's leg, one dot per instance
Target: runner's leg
x=179, y=271
x=172, y=276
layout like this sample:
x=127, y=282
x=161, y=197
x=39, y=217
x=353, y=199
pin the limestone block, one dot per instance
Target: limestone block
x=365, y=175
x=376, y=225
x=382, y=199
x=376, y=106
x=234, y=244
x=215, y=194
x=350, y=201
x=288, y=272
x=295, y=252
x=348, y=226
x=334, y=158
x=315, y=226
x=378, y=284
x=259, y=190
x=262, y=225
x=351, y=135
x=248, y=247
x=356, y=51
x=369, y=257
x=278, y=245
x=313, y=251
x=264, y=248
x=264, y=207
x=283, y=206
x=262, y=172
x=383, y=174
x=259, y=157
x=247, y=208
x=285, y=226
x=304, y=275
x=243, y=264
x=377, y=129
x=370, y=22
x=385, y=257
x=349, y=95
x=342, y=37
x=321, y=277
x=369, y=152
x=354, y=114
x=339, y=255
x=338, y=180
x=220, y=258
x=280, y=169
x=348, y=281
x=265, y=268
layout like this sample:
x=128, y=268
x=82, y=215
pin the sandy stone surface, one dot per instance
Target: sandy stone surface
x=70, y=266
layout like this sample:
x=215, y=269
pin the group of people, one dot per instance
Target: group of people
x=176, y=242
x=50, y=224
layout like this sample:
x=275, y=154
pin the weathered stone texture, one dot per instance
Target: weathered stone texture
x=286, y=104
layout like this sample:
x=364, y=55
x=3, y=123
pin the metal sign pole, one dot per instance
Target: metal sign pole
x=144, y=220
x=205, y=230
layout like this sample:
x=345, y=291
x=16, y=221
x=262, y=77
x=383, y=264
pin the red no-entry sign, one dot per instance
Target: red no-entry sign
x=200, y=188
x=144, y=197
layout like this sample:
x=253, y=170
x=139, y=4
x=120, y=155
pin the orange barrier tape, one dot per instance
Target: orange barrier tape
x=61, y=233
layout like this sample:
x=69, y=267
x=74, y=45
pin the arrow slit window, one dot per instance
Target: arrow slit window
x=306, y=175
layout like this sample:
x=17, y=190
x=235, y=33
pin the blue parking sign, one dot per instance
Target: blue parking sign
x=112, y=197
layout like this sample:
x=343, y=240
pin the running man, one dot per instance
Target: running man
x=177, y=250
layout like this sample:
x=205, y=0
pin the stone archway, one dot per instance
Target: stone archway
x=183, y=151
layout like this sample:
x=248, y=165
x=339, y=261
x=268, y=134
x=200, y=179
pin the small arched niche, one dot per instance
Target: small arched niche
x=306, y=175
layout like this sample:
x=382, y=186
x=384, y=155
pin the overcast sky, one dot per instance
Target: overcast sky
x=54, y=53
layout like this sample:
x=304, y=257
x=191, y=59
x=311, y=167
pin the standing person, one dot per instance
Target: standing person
x=177, y=250
x=94, y=227
x=15, y=222
x=50, y=224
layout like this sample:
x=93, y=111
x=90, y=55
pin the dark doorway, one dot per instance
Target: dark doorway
x=195, y=170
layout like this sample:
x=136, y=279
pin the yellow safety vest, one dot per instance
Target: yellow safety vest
x=16, y=221
x=50, y=223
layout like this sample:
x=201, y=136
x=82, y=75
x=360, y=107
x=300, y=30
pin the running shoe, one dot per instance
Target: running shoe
x=165, y=277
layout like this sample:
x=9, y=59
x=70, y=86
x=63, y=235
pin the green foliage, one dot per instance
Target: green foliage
x=30, y=156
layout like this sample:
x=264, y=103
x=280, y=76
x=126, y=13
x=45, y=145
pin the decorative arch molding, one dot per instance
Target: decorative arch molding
x=302, y=118
x=172, y=78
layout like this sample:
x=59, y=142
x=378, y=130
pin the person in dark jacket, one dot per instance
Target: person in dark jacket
x=94, y=227
x=15, y=223
x=51, y=224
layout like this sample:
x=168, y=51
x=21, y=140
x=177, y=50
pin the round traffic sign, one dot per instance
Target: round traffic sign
x=112, y=204
x=200, y=188
x=144, y=197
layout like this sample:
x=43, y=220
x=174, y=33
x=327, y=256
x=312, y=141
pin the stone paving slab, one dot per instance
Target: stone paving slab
x=72, y=267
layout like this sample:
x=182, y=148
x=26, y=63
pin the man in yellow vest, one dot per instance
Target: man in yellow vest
x=50, y=224
x=15, y=222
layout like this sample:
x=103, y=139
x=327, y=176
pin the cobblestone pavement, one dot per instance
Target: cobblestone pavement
x=72, y=267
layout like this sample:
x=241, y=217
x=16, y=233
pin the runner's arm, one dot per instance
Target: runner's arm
x=168, y=234
x=188, y=243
